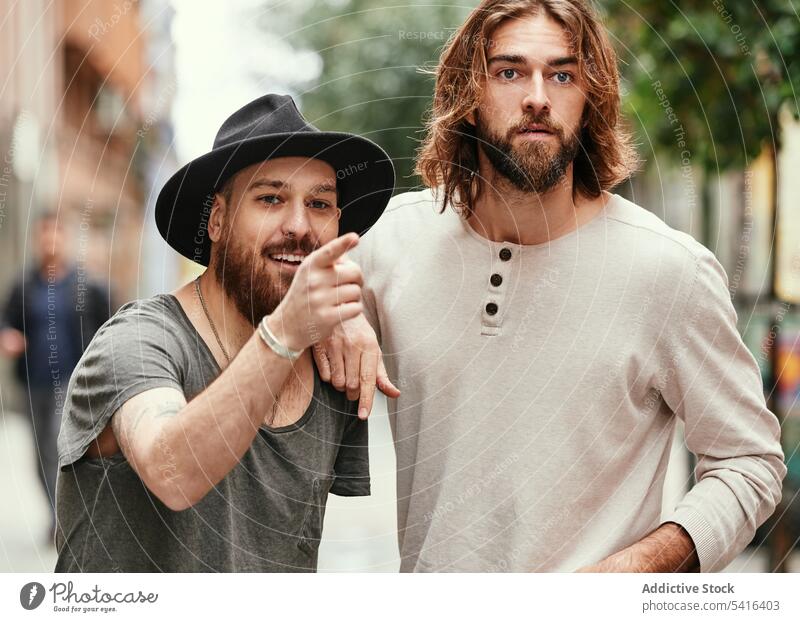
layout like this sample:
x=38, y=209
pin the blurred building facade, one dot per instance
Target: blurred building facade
x=86, y=92
x=750, y=219
x=84, y=106
x=101, y=46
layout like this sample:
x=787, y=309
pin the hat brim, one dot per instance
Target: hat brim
x=364, y=180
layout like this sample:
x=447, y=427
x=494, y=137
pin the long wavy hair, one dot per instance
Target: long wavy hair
x=448, y=156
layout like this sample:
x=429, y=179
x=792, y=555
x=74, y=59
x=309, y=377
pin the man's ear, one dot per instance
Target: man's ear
x=470, y=118
x=216, y=220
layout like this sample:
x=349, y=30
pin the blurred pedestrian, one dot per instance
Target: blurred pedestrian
x=51, y=313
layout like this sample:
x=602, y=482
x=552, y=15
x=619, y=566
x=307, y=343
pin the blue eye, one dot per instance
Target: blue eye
x=505, y=73
x=319, y=204
x=562, y=77
x=270, y=199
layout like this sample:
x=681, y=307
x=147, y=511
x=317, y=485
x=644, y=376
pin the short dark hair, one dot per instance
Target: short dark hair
x=46, y=216
x=226, y=189
x=50, y=219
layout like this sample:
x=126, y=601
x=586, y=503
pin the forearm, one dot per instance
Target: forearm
x=667, y=549
x=732, y=497
x=181, y=451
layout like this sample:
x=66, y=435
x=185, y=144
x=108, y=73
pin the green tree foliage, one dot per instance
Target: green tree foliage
x=722, y=68
x=372, y=53
x=725, y=68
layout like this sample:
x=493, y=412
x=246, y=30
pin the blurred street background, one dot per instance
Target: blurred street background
x=101, y=101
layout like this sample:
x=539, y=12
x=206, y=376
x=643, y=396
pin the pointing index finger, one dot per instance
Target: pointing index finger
x=333, y=250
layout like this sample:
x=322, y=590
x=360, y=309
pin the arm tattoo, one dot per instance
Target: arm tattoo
x=125, y=421
x=167, y=409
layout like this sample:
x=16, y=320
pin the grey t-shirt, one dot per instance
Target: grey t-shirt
x=265, y=515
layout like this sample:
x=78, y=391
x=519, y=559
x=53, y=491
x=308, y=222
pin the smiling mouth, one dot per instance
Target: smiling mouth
x=288, y=258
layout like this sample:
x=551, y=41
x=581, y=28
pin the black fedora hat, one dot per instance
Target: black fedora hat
x=272, y=127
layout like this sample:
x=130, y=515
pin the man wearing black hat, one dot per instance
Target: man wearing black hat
x=197, y=434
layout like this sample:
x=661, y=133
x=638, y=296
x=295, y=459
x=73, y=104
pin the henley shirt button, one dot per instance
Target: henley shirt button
x=491, y=308
x=496, y=280
x=505, y=254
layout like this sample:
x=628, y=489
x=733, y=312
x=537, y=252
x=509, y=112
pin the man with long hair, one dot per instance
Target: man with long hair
x=547, y=334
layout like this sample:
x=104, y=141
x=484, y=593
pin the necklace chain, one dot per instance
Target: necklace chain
x=208, y=317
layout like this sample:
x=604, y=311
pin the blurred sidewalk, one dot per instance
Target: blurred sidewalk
x=359, y=533
x=24, y=519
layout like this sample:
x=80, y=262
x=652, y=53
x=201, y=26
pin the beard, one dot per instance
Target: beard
x=533, y=167
x=245, y=278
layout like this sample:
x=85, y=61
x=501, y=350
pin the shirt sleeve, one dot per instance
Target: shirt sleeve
x=136, y=350
x=100, y=304
x=351, y=468
x=713, y=384
x=362, y=255
x=13, y=311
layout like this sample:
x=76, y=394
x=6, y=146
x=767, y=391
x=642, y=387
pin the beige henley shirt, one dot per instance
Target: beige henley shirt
x=541, y=385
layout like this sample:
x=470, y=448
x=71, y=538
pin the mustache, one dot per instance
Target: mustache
x=304, y=246
x=540, y=119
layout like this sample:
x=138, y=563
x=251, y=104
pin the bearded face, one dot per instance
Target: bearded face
x=267, y=219
x=533, y=154
x=247, y=275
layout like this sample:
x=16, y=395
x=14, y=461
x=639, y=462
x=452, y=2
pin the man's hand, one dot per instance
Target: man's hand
x=667, y=549
x=12, y=342
x=352, y=361
x=325, y=291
